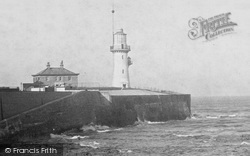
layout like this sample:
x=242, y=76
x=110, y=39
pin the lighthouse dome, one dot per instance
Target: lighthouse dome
x=119, y=31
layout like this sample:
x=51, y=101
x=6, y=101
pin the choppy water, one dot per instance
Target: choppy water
x=219, y=126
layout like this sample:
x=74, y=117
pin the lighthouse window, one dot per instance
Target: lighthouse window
x=122, y=71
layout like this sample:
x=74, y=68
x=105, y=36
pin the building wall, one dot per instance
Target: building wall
x=120, y=73
x=51, y=80
x=120, y=51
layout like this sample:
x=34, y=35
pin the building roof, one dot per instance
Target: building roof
x=54, y=71
x=120, y=31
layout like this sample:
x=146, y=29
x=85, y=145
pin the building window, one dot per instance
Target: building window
x=47, y=78
x=122, y=71
x=59, y=78
x=69, y=78
x=38, y=78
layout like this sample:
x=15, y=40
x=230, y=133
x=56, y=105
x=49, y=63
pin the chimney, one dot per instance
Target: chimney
x=61, y=65
x=48, y=65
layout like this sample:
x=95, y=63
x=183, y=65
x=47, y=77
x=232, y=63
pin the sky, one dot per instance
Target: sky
x=79, y=32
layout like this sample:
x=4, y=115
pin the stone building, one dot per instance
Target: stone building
x=56, y=76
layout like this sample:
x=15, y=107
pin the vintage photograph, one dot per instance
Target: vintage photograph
x=116, y=77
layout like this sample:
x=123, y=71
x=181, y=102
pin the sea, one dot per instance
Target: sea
x=219, y=126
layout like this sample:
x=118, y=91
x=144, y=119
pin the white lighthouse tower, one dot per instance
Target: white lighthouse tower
x=121, y=61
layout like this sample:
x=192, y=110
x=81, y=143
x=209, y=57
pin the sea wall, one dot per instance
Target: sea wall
x=56, y=116
x=83, y=108
x=129, y=109
x=13, y=103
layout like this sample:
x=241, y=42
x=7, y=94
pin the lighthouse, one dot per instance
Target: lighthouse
x=121, y=61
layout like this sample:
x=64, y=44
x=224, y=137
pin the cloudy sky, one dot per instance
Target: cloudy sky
x=79, y=32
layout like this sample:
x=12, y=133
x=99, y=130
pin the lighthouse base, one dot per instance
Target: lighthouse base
x=121, y=85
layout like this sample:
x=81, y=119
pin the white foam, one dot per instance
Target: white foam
x=223, y=116
x=151, y=123
x=129, y=151
x=245, y=143
x=108, y=130
x=118, y=129
x=103, y=131
x=96, y=143
x=212, y=117
x=228, y=116
x=193, y=117
x=181, y=135
x=85, y=145
x=79, y=137
x=124, y=151
x=90, y=144
x=67, y=137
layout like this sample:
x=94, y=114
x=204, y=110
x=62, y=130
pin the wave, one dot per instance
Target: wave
x=125, y=151
x=151, y=123
x=182, y=135
x=192, y=117
x=245, y=143
x=78, y=140
x=103, y=131
x=55, y=136
x=118, y=129
x=228, y=116
x=90, y=144
x=212, y=117
x=145, y=122
x=79, y=137
x=109, y=130
x=221, y=116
